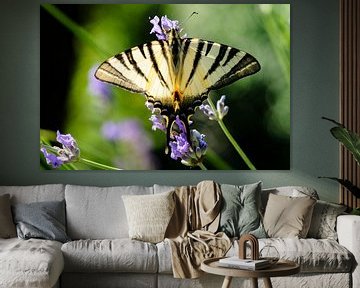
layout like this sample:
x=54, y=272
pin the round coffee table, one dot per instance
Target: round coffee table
x=281, y=268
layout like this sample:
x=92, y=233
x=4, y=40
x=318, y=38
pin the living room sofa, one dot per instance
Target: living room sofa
x=99, y=252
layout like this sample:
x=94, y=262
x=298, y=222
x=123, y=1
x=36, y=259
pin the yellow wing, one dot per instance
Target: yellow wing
x=145, y=69
x=208, y=66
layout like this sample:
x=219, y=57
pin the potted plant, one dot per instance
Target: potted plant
x=351, y=142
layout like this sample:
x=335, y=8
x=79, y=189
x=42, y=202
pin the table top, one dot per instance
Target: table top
x=281, y=268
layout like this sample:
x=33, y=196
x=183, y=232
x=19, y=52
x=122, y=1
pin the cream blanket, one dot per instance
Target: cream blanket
x=191, y=231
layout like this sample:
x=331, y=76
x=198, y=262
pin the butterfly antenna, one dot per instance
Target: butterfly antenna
x=188, y=18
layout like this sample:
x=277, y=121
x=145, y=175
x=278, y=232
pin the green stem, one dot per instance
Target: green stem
x=76, y=29
x=97, y=165
x=232, y=140
x=202, y=166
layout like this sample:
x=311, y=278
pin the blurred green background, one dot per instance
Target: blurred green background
x=111, y=125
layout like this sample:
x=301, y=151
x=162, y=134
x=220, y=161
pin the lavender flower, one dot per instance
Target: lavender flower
x=69, y=152
x=158, y=122
x=191, y=154
x=51, y=159
x=219, y=113
x=161, y=28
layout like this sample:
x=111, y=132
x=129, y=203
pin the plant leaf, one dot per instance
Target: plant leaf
x=349, y=139
x=348, y=185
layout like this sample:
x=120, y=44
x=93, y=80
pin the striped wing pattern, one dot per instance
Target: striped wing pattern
x=208, y=66
x=145, y=69
x=202, y=66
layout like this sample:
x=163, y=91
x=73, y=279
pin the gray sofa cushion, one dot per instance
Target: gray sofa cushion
x=98, y=212
x=44, y=220
x=35, y=193
x=117, y=255
x=313, y=255
x=30, y=263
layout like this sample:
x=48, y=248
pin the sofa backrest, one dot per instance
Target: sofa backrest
x=34, y=193
x=98, y=212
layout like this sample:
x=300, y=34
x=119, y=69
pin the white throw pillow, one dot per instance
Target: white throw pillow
x=149, y=215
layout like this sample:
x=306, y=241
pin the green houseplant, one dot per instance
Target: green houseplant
x=351, y=142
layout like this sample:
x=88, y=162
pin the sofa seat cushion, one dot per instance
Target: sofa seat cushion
x=313, y=255
x=115, y=255
x=30, y=263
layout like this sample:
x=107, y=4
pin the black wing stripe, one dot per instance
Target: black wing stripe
x=120, y=76
x=196, y=61
x=248, y=65
x=156, y=66
x=217, y=60
x=141, y=48
x=208, y=47
x=132, y=61
x=231, y=55
x=163, y=51
x=120, y=57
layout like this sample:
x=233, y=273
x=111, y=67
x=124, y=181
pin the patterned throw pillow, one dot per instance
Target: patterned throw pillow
x=149, y=215
x=240, y=210
x=323, y=223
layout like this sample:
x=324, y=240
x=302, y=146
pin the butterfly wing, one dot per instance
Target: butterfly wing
x=208, y=66
x=145, y=69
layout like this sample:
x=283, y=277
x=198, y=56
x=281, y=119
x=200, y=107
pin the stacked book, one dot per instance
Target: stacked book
x=248, y=264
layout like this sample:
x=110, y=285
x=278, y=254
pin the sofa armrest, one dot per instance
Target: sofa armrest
x=348, y=230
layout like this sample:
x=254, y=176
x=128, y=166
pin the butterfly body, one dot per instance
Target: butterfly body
x=176, y=74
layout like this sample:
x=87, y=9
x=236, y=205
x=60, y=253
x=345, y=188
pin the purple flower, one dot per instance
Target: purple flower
x=69, y=151
x=158, y=122
x=168, y=24
x=191, y=154
x=198, y=143
x=51, y=159
x=163, y=27
x=180, y=147
x=219, y=113
x=222, y=110
x=208, y=111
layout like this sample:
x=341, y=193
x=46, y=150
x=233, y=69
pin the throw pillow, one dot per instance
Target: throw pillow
x=323, y=223
x=240, y=210
x=44, y=220
x=149, y=215
x=287, y=217
x=7, y=227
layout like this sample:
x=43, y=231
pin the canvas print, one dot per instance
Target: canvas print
x=170, y=86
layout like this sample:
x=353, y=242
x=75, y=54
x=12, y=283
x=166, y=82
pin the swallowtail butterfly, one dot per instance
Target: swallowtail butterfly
x=176, y=74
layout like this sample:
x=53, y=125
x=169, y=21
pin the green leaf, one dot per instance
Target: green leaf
x=348, y=138
x=348, y=185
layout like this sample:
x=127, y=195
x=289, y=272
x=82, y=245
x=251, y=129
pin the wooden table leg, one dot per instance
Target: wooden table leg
x=254, y=282
x=267, y=283
x=227, y=282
